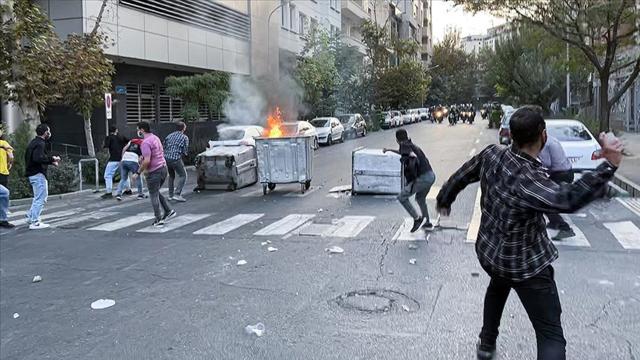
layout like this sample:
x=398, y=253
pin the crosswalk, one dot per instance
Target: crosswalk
x=619, y=234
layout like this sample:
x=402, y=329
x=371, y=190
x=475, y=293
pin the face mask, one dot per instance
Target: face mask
x=140, y=134
x=47, y=135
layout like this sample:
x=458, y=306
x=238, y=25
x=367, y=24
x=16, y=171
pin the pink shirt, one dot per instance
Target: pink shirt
x=152, y=149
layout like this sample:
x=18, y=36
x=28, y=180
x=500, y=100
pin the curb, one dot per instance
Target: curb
x=627, y=185
x=27, y=201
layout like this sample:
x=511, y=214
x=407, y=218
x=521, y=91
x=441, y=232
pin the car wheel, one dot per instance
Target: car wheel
x=342, y=136
x=364, y=132
x=329, y=140
x=316, y=144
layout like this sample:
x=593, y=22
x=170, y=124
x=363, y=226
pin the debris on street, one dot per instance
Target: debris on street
x=413, y=261
x=413, y=247
x=242, y=262
x=36, y=279
x=335, y=250
x=475, y=274
x=257, y=329
x=102, y=304
x=405, y=308
x=272, y=249
x=16, y=315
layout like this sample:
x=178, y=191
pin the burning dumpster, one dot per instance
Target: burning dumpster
x=283, y=159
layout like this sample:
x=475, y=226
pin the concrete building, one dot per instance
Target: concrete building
x=473, y=44
x=406, y=21
x=354, y=14
x=427, y=32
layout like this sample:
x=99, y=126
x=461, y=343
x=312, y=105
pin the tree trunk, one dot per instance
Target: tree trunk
x=604, y=102
x=89, y=136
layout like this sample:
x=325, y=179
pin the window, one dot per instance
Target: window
x=314, y=23
x=170, y=108
x=203, y=112
x=141, y=102
x=292, y=17
x=285, y=12
x=303, y=24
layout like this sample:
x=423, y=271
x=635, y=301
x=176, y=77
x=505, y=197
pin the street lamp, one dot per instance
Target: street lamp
x=282, y=4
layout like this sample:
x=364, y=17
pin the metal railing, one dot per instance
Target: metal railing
x=95, y=162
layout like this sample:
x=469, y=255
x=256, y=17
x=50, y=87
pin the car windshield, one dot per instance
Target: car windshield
x=320, y=122
x=569, y=132
x=345, y=118
x=289, y=129
x=231, y=134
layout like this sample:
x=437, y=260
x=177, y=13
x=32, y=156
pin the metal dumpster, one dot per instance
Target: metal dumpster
x=285, y=160
x=227, y=167
x=374, y=172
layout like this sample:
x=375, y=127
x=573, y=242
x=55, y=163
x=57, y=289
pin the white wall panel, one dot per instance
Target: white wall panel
x=178, y=31
x=155, y=24
x=130, y=42
x=178, y=52
x=130, y=18
x=156, y=47
x=197, y=55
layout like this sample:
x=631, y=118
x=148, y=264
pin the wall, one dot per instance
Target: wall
x=325, y=12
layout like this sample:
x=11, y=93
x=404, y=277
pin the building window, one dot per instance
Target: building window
x=170, y=108
x=303, y=24
x=292, y=17
x=285, y=13
x=141, y=103
x=314, y=24
x=203, y=112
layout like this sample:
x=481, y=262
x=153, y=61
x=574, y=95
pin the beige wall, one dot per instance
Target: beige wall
x=264, y=62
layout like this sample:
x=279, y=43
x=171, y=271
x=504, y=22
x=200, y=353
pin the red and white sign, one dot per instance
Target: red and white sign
x=107, y=105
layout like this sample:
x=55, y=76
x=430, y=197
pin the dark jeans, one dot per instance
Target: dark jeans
x=4, y=180
x=155, y=180
x=555, y=220
x=176, y=167
x=420, y=187
x=539, y=296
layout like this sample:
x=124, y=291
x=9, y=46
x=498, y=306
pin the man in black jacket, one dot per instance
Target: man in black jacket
x=512, y=244
x=36, y=162
x=419, y=178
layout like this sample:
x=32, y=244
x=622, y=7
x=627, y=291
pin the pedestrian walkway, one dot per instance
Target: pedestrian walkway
x=630, y=167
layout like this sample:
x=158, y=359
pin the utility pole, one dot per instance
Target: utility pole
x=568, y=81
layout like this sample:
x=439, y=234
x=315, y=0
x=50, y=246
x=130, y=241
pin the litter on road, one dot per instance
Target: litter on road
x=102, y=304
x=16, y=315
x=242, y=262
x=257, y=329
x=272, y=249
x=36, y=279
x=335, y=250
x=412, y=261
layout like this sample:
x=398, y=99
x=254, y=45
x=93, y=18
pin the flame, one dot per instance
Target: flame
x=274, y=123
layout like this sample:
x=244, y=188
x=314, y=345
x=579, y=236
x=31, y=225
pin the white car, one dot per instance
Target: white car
x=504, y=134
x=329, y=130
x=237, y=135
x=581, y=148
x=391, y=119
x=302, y=128
x=407, y=117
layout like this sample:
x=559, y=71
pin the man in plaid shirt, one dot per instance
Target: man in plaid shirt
x=176, y=145
x=512, y=244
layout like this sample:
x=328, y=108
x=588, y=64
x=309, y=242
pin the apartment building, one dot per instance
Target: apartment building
x=472, y=44
x=427, y=32
x=354, y=14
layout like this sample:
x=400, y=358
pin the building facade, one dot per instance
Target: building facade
x=427, y=32
x=473, y=44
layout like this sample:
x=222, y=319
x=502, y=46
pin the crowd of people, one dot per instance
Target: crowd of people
x=130, y=158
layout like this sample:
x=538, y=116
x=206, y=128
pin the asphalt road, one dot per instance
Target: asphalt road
x=179, y=294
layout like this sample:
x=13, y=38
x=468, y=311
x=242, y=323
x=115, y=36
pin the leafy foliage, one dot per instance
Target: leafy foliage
x=63, y=178
x=453, y=72
x=403, y=86
x=18, y=183
x=211, y=89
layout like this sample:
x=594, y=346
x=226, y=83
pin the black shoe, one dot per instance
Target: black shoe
x=158, y=223
x=119, y=197
x=106, y=196
x=127, y=192
x=553, y=226
x=563, y=234
x=428, y=226
x=486, y=352
x=416, y=224
x=169, y=215
x=6, y=224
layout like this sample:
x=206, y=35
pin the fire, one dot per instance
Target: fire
x=274, y=123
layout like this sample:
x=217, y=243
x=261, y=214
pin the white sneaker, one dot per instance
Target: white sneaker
x=179, y=198
x=38, y=226
x=170, y=198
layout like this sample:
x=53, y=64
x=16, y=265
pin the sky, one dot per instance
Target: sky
x=445, y=13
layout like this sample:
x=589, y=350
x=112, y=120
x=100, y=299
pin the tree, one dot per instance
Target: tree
x=403, y=86
x=210, y=89
x=597, y=28
x=453, y=72
x=86, y=75
x=30, y=56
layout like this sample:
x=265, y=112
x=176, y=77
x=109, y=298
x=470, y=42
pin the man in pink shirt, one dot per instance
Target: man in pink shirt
x=154, y=165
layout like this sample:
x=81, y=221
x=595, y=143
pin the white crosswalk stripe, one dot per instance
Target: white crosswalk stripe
x=174, y=223
x=632, y=204
x=626, y=232
x=474, y=225
x=404, y=232
x=350, y=226
x=578, y=240
x=286, y=225
x=98, y=215
x=124, y=222
x=53, y=215
x=228, y=225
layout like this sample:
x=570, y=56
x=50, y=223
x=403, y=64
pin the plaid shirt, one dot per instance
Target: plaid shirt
x=176, y=145
x=516, y=191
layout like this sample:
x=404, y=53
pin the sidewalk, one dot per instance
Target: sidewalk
x=629, y=172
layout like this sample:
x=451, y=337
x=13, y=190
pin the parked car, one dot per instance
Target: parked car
x=354, y=125
x=424, y=114
x=392, y=118
x=301, y=128
x=581, y=148
x=415, y=113
x=237, y=135
x=407, y=117
x=329, y=130
x=504, y=134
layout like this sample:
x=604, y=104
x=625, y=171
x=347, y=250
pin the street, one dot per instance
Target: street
x=180, y=294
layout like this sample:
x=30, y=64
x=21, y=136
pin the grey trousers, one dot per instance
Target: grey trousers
x=420, y=187
x=176, y=167
x=155, y=179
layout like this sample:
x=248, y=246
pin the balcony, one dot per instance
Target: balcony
x=355, y=9
x=351, y=41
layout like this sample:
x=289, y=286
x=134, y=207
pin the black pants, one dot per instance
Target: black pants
x=4, y=180
x=539, y=296
x=555, y=220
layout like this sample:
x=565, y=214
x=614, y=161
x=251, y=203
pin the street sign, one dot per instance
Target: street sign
x=107, y=105
x=121, y=90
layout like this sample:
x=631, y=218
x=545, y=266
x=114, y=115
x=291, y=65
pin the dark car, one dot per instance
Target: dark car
x=354, y=125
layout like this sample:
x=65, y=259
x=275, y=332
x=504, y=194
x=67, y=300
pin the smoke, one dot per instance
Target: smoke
x=250, y=99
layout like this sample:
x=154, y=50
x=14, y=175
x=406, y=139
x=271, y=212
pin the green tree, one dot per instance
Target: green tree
x=404, y=86
x=210, y=89
x=86, y=75
x=600, y=29
x=30, y=56
x=453, y=72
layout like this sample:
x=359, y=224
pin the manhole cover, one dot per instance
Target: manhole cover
x=377, y=301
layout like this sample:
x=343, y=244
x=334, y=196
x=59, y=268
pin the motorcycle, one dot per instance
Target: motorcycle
x=470, y=116
x=484, y=114
x=438, y=116
x=453, y=118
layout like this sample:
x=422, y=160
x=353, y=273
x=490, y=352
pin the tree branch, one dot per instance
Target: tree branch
x=627, y=84
x=96, y=26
